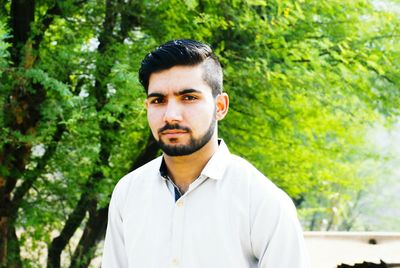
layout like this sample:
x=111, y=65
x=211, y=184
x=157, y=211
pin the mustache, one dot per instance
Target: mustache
x=173, y=127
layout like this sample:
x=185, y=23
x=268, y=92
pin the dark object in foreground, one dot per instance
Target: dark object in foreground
x=370, y=265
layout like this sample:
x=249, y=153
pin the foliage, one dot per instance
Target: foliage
x=306, y=79
x=3, y=47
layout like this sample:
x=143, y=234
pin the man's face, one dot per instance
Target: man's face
x=181, y=110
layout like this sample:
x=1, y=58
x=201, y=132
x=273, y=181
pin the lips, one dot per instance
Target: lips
x=170, y=133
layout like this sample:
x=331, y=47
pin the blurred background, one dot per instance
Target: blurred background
x=314, y=88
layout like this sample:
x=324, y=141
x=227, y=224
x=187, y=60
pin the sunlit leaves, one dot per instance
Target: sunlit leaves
x=305, y=79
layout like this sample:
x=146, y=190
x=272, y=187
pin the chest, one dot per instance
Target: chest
x=207, y=223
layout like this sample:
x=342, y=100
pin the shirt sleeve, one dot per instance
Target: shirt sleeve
x=114, y=254
x=276, y=235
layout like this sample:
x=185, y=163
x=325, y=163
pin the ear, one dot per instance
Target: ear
x=222, y=105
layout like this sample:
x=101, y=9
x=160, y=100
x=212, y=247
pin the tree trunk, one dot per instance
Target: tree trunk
x=14, y=259
x=22, y=114
x=12, y=156
x=22, y=15
x=94, y=229
x=59, y=243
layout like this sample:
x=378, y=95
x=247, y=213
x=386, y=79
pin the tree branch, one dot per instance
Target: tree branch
x=45, y=24
x=31, y=176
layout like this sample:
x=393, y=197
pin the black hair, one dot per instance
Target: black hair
x=187, y=53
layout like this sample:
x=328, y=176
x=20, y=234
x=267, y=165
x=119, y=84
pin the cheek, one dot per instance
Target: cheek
x=202, y=116
x=153, y=118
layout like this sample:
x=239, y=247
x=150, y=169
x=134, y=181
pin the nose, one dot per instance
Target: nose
x=173, y=113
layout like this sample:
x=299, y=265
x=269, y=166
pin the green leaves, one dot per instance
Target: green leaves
x=52, y=86
x=3, y=47
x=306, y=80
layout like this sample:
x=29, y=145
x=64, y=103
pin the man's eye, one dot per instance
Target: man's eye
x=189, y=98
x=157, y=100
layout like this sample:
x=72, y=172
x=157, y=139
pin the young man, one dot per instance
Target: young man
x=197, y=205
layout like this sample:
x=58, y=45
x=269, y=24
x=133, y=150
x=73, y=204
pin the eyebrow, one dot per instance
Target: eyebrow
x=187, y=91
x=179, y=93
x=155, y=95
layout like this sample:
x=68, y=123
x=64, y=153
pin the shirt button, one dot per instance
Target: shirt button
x=179, y=203
x=175, y=262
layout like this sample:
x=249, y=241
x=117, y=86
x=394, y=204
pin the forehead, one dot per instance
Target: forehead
x=178, y=78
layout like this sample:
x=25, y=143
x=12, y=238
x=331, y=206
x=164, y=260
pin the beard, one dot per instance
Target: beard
x=194, y=144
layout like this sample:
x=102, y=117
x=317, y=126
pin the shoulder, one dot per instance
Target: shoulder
x=242, y=170
x=262, y=192
x=143, y=174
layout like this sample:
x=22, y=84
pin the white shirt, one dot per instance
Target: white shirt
x=231, y=216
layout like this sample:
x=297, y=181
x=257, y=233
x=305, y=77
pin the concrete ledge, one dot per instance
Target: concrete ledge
x=329, y=249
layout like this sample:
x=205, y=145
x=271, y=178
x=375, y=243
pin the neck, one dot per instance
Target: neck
x=183, y=170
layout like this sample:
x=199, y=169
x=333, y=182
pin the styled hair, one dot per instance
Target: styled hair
x=183, y=52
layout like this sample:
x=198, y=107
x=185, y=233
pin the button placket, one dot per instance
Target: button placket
x=177, y=233
x=178, y=224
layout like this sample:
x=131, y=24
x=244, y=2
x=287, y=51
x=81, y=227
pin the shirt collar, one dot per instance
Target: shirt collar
x=217, y=164
x=214, y=168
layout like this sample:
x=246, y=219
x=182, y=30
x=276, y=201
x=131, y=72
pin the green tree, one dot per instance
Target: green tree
x=306, y=79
